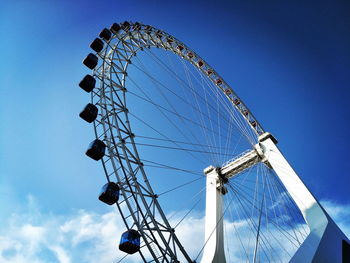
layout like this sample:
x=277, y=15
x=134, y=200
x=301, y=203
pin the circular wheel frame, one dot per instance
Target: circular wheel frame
x=112, y=126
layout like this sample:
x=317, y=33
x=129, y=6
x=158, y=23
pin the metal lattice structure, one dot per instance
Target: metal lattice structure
x=137, y=193
x=139, y=205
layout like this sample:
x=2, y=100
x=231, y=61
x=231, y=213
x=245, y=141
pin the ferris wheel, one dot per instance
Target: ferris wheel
x=192, y=172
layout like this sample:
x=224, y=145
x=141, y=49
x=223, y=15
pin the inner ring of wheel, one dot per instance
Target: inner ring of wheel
x=114, y=117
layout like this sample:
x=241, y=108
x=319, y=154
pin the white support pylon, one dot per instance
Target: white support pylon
x=214, y=231
x=325, y=241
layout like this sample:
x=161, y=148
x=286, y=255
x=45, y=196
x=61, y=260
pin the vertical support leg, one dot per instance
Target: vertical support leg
x=214, y=233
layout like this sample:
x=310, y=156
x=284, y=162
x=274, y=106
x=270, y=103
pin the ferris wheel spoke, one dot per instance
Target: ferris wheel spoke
x=175, y=113
x=286, y=207
x=165, y=166
x=259, y=225
x=216, y=92
x=175, y=169
x=183, y=83
x=188, y=212
x=210, y=139
x=180, y=186
x=228, y=236
x=197, y=110
x=277, y=194
x=161, y=134
x=210, y=85
x=183, y=142
x=161, y=108
x=244, y=198
x=245, y=194
x=179, y=149
x=265, y=244
x=286, y=199
x=193, y=200
x=241, y=214
x=158, y=83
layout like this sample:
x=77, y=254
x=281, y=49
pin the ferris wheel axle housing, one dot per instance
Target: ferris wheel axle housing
x=242, y=162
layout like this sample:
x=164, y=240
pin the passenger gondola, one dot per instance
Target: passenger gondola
x=89, y=113
x=130, y=241
x=96, y=150
x=109, y=193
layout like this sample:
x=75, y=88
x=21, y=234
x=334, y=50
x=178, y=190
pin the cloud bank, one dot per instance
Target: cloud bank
x=85, y=236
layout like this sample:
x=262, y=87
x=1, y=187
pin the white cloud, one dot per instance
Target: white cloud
x=60, y=253
x=340, y=213
x=80, y=237
x=86, y=237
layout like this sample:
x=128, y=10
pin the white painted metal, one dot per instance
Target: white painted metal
x=214, y=248
x=324, y=243
x=240, y=164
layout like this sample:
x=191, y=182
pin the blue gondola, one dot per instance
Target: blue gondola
x=96, y=150
x=130, y=242
x=109, y=193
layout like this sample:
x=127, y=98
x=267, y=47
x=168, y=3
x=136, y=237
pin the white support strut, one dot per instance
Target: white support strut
x=324, y=243
x=214, y=231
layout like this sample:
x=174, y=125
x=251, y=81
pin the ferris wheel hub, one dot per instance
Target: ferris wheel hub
x=243, y=161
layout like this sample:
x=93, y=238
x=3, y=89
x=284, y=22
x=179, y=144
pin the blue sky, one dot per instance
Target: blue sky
x=288, y=60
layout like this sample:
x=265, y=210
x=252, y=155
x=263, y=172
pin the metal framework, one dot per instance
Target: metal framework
x=123, y=162
x=114, y=129
x=323, y=244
